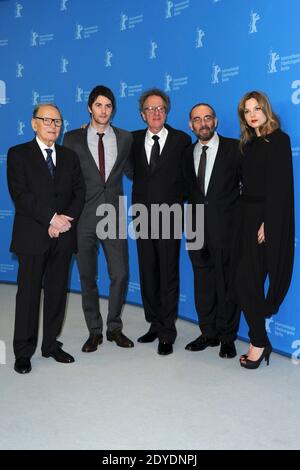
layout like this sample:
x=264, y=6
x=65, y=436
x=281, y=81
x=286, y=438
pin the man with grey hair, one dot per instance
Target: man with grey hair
x=48, y=191
x=157, y=154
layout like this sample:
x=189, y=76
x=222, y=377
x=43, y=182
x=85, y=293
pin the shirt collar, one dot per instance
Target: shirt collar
x=160, y=134
x=92, y=131
x=44, y=146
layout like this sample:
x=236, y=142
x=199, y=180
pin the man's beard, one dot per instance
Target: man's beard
x=206, y=135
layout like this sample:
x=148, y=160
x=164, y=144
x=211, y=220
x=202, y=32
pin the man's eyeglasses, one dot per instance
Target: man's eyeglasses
x=208, y=118
x=48, y=121
x=153, y=109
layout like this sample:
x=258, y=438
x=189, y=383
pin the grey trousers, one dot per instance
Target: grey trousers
x=116, y=254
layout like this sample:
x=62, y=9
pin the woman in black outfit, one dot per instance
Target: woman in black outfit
x=265, y=234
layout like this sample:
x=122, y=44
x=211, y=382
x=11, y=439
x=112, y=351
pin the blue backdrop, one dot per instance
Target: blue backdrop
x=196, y=50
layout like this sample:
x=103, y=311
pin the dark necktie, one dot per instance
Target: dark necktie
x=49, y=162
x=101, y=156
x=154, y=156
x=202, y=168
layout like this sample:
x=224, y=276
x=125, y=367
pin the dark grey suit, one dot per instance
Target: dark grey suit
x=115, y=250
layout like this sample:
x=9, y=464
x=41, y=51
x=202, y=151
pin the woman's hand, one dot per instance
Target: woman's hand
x=261, y=234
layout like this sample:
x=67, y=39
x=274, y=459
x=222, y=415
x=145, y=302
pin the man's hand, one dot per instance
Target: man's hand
x=61, y=222
x=261, y=234
x=53, y=232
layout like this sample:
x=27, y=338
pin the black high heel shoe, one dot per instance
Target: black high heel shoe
x=248, y=364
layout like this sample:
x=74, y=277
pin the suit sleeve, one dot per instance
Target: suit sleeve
x=279, y=219
x=128, y=167
x=185, y=184
x=26, y=203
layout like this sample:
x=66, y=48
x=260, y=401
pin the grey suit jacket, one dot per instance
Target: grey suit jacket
x=98, y=192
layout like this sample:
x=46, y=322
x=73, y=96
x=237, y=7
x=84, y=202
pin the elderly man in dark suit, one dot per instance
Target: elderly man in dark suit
x=103, y=152
x=157, y=154
x=47, y=187
x=212, y=175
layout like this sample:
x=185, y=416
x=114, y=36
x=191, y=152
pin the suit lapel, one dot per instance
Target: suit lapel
x=59, y=162
x=85, y=154
x=167, y=151
x=120, y=151
x=215, y=171
x=190, y=166
x=86, y=151
x=141, y=151
x=39, y=159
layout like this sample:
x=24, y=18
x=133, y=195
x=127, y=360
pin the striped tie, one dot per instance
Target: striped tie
x=49, y=162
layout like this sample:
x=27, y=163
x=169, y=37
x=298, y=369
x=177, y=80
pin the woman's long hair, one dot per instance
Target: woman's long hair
x=272, y=123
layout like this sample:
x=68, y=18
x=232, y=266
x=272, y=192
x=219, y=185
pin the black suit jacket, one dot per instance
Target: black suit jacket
x=37, y=197
x=219, y=201
x=165, y=183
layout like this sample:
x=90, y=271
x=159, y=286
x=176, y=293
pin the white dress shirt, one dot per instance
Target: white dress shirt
x=211, y=154
x=162, y=134
x=43, y=147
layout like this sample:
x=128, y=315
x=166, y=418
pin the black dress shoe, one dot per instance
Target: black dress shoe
x=164, y=348
x=22, y=365
x=60, y=356
x=202, y=343
x=120, y=339
x=227, y=350
x=149, y=337
x=92, y=343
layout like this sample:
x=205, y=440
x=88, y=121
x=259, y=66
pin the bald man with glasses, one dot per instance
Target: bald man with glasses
x=212, y=176
x=47, y=187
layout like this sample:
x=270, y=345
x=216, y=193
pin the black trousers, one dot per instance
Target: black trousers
x=218, y=317
x=257, y=329
x=53, y=268
x=159, y=279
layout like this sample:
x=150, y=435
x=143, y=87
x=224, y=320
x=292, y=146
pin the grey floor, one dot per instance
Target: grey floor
x=135, y=399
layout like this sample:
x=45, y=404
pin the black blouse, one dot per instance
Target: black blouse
x=268, y=176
